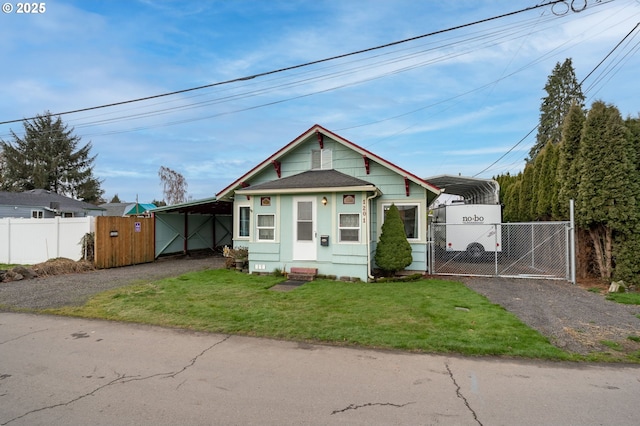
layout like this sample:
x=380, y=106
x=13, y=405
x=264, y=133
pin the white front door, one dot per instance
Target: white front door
x=304, y=228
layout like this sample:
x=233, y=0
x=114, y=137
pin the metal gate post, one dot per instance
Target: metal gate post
x=572, y=241
x=495, y=246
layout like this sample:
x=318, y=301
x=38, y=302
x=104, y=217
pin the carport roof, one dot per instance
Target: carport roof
x=202, y=206
x=473, y=190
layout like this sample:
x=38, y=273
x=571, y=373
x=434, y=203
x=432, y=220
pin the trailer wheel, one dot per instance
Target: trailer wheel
x=475, y=251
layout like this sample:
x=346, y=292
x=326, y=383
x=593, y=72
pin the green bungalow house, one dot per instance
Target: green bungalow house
x=319, y=203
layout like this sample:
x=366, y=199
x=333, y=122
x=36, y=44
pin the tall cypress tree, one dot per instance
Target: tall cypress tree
x=525, y=200
x=547, y=162
x=48, y=157
x=606, y=197
x=563, y=90
x=568, y=176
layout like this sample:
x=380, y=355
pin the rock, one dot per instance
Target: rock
x=26, y=273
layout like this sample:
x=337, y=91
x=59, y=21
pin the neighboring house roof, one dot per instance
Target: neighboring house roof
x=322, y=180
x=114, y=209
x=46, y=200
x=227, y=192
x=126, y=209
x=139, y=208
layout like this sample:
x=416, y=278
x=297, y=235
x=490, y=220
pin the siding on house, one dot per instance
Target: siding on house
x=377, y=185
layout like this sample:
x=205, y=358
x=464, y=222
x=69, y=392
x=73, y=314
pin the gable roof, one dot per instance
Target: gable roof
x=322, y=180
x=314, y=130
x=45, y=199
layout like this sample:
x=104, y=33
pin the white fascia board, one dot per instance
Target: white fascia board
x=248, y=191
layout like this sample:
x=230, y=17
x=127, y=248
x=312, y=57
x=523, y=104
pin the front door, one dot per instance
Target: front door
x=304, y=228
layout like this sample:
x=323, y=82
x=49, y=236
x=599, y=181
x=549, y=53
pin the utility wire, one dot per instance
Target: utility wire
x=332, y=58
x=580, y=84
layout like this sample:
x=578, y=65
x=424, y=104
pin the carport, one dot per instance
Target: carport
x=473, y=190
x=205, y=224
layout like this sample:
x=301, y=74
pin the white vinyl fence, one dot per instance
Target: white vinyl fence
x=30, y=241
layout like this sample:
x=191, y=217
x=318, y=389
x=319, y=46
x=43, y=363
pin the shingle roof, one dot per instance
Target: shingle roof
x=43, y=198
x=312, y=179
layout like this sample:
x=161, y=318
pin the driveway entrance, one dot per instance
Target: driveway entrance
x=523, y=250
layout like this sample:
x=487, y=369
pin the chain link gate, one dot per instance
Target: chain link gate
x=525, y=250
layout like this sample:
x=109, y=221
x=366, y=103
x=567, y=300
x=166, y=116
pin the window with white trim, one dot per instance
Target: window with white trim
x=266, y=227
x=244, y=221
x=321, y=159
x=37, y=214
x=410, y=215
x=349, y=227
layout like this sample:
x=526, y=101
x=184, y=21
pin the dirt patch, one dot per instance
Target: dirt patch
x=572, y=317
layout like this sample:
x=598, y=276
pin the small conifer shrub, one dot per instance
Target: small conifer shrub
x=393, y=252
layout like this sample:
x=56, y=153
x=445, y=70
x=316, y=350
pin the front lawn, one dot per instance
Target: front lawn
x=427, y=315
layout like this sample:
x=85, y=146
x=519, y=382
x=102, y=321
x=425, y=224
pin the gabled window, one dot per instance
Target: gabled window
x=321, y=159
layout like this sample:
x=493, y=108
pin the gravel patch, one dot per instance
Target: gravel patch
x=76, y=289
x=573, y=318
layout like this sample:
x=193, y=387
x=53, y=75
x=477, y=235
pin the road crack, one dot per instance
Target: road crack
x=461, y=396
x=370, y=404
x=23, y=335
x=121, y=379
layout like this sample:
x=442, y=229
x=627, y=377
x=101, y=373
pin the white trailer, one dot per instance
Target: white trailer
x=471, y=228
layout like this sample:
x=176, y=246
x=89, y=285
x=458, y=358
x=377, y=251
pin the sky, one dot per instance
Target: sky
x=459, y=98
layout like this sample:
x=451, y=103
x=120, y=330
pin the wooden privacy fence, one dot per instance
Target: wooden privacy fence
x=122, y=241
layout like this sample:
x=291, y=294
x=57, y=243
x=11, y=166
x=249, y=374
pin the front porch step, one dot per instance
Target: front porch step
x=302, y=274
x=301, y=277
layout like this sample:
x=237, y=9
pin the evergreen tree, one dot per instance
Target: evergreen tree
x=525, y=199
x=563, y=90
x=48, y=157
x=393, y=252
x=546, y=181
x=115, y=199
x=511, y=201
x=568, y=176
x=606, y=198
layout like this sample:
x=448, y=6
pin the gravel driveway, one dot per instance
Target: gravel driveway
x=572, y=318
x=76, y=289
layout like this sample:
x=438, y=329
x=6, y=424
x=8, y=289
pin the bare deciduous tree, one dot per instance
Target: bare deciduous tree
x=174, y=186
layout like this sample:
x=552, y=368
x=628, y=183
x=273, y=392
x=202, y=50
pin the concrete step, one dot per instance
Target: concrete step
x=302, y=274
x=300, y=277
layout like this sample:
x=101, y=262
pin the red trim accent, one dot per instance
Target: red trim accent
x=320, y=139
x=244, y=184
x=366, y=163
x=319, y=129
x=276, y=165
x=406, y=185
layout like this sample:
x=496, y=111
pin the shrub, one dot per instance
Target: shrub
x=393, y=252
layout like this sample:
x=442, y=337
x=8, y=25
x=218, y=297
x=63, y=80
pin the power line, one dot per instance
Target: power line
x=580, y=84
x=293, y=67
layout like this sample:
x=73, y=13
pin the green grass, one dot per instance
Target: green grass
x=628, y=298
x=5, y=266
x=412, y=316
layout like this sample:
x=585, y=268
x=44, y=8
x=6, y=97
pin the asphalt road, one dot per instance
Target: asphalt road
x=66, y=371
